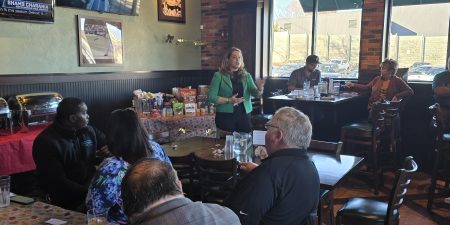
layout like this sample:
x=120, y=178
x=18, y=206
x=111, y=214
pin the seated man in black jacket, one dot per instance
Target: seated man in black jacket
x=284, y=189
x=65, y=152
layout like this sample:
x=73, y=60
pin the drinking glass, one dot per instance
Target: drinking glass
x=228, y=149
x=306, y=85
x=4, y=191
x=240, y=142
x=95, y=217
x=336, y=87
x=243, y=144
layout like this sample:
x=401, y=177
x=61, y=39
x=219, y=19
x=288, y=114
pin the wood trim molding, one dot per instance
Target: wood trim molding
x=15, y=79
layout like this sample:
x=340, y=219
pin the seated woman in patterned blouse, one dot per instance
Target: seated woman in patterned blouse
x=386, y=86
x=128, y=141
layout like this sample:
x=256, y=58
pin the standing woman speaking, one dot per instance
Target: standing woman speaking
x=230, y=89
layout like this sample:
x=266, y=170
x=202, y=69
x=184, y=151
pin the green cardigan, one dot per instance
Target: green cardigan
x=221, y=86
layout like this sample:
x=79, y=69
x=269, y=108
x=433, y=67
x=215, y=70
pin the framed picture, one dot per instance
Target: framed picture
x=41, y=11
x=100, y=41
x=172, y=11
x=122, y=7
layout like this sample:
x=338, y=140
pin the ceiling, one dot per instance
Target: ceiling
x=332, y=5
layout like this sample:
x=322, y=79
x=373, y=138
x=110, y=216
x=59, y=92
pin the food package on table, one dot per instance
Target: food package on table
x=190, y=108
x=188, y=95
x=202, y=101
x=178, y=108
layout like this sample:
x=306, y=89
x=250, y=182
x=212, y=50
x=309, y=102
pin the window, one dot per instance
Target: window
x=419, y=38
x=352, y=24
x=336, y=44
x=338, y=39
x=291, y=37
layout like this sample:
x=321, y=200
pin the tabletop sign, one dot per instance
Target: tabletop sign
x=259, y=137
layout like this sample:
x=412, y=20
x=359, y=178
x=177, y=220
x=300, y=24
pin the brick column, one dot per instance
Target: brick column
x=371, y=44
x=215, y=32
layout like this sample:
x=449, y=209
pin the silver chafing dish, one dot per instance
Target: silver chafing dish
x=37, y=108
x=5, y=118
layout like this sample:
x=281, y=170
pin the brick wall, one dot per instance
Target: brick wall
x=371, y=38
x=214, y=33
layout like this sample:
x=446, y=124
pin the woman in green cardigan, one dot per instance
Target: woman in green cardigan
x=230, y=89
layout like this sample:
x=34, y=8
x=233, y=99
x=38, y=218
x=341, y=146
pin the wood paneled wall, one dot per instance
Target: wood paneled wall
x=102, y=92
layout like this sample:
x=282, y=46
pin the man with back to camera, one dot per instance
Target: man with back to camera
x=441, y=87
x=441, y=91
x=284, y=188
x=152, y=195
x=65, y=153
x=306, y=73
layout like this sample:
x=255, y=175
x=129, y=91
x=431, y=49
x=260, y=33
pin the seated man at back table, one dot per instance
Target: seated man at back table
x=441, y=90
x=152, y=195
x=284, y=189
x=65, y=152
x=306, y=73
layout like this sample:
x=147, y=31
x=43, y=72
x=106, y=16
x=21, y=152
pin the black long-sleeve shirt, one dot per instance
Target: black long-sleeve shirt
x=283, y=190
x=65, y=162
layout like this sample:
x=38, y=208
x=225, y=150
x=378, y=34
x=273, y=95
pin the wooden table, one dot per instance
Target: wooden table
x=37, y=213
x=331, y=168
x=327, y=115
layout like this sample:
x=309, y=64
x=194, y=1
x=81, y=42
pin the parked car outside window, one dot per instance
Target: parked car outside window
x=424, y=73
x=285, y=70
x=342, y=64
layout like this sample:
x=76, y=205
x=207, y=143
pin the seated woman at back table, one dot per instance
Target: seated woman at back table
x=386, y=86
x=128, y=141
x=231, y=88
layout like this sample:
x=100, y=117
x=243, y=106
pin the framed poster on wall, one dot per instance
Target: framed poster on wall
x=100, y=41
x=122, y=7
x=30, y=11
x=172, y=11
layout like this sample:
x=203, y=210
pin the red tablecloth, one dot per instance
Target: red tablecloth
x=16, y=151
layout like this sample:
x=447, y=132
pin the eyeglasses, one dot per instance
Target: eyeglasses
x=267, y=126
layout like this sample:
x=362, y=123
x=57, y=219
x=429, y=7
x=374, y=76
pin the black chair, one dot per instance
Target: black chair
x=185, y=167
x=440, y=177
x=217, y=178
x=362, y=211
x=391, y=154
x=258, y=118
x=326, y=202
x=367, y=134
x=326, y=147
x=402, y=73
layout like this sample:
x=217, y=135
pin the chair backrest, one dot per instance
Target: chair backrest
x=377, y=113
x=217, y=178
x=392, y=116
x=439, y=119
x=184, y=165
x=402, y=73
x=326, y=147
x=257, y=106
x=398, y=192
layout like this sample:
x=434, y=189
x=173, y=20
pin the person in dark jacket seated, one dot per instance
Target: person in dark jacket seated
x=152, y=195
x=65, y=155
x=284, y=188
